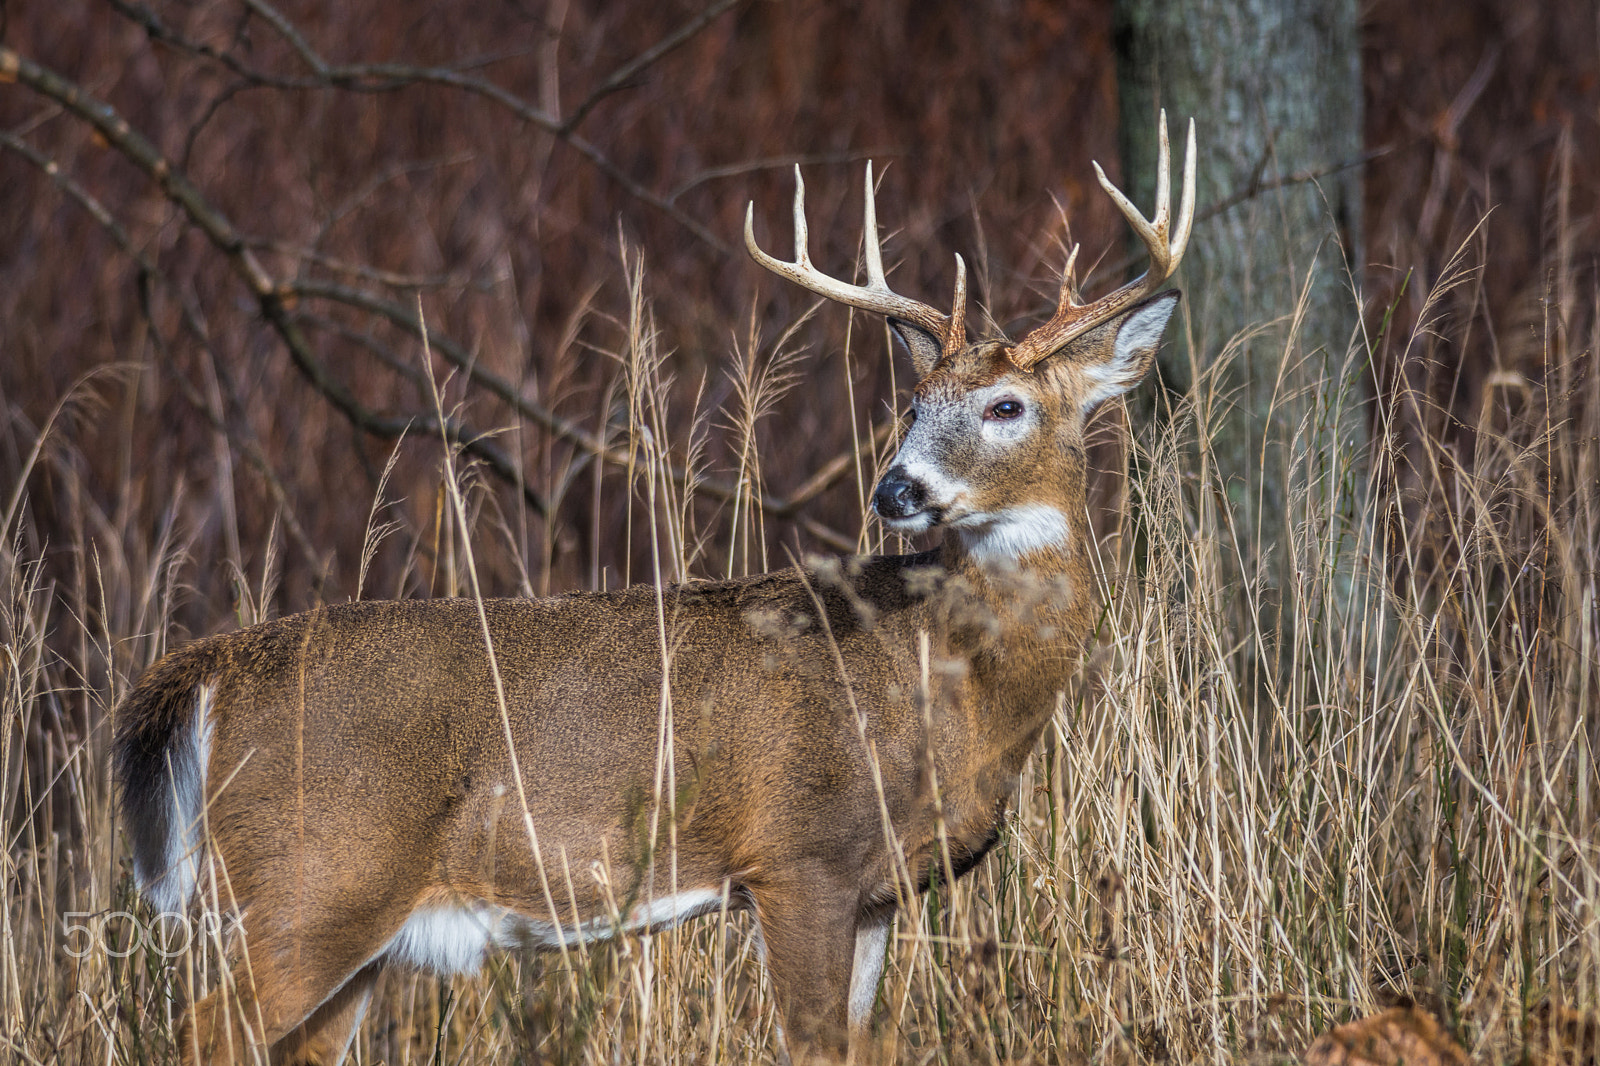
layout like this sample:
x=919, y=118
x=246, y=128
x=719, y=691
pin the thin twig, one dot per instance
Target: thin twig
x=620, y=77
x=398, y=315
x=1255, y=187
x=782, y=162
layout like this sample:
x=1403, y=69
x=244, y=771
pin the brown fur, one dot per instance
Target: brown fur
x=366, y=769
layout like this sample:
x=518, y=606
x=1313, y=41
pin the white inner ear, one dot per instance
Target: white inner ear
x=1141, y=332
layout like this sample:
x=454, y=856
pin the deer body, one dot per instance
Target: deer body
x=811, y=744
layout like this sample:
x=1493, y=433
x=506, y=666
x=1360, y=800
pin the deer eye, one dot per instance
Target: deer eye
x=1004, y=409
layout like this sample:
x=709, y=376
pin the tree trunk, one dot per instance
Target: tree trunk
x=1274, y=88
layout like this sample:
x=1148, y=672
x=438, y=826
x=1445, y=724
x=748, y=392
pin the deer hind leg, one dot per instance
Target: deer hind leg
x=323, y=1038
x=291, y=999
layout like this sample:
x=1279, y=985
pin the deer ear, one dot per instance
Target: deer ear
x=924, y=348
x=1133, y=349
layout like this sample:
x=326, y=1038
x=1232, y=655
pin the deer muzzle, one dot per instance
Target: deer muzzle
x=899, y=496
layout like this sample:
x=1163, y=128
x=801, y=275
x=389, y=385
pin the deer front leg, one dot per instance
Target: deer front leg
x=808, y=937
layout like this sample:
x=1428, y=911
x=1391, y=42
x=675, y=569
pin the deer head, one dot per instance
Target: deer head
x=993, y=421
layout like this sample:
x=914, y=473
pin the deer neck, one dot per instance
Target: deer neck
x=1021, y=619
x=1041, y=565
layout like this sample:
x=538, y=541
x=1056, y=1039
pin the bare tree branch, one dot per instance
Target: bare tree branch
x=782, y=162
x=148, y=275
x=389, y=77
x=274, y=297
x=628, y=71
x=270, y=294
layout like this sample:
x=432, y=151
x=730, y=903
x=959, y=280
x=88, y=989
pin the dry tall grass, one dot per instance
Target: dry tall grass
x=1239, y=834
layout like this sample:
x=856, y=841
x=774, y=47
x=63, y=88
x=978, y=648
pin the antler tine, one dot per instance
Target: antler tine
x=869, y=236
x=802, y=235
x=1186, y=206
x=1163, y=175
x=1154, y=230
x=1165, y=249
x=875, y=296
x=1069, y=278
x=955, y=333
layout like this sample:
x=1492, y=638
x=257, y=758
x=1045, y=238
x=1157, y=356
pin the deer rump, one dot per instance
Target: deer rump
x=342, y=780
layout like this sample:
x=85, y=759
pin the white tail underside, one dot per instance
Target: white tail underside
x=169, y=882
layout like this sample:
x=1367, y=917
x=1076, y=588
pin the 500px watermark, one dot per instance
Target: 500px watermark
x=122, y=933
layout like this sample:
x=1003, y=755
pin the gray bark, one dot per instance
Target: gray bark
x=1274, y=88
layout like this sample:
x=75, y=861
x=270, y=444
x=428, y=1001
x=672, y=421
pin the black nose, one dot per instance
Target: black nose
x=898, y=496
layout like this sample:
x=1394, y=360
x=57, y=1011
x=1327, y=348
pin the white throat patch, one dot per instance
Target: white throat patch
x=1015, y=531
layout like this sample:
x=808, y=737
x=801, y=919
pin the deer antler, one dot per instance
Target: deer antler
x=875, y=296
x=1073, y=319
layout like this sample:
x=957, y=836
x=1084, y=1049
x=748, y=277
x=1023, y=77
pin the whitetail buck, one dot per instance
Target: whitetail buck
x=374, y=784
